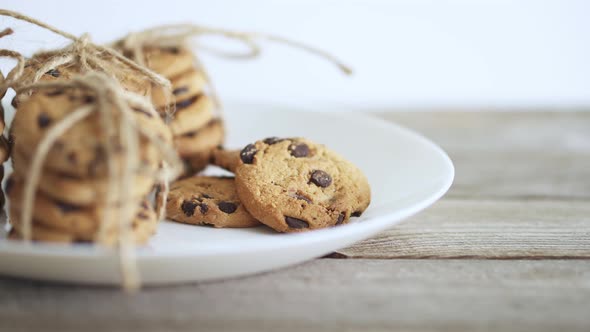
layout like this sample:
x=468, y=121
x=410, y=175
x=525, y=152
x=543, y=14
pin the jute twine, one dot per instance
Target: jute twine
x=17, y=71
x=179, y=35
x=117, y=119
x=89, y=56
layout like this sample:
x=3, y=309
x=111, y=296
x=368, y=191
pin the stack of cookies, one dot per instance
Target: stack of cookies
x=195, y=123
x=73, y=196
x=288, y=184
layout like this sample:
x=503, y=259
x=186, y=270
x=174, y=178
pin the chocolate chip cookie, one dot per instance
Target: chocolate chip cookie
x=78, y=220
x=191, y=115
x=80, y=150
x=204, y=200
x=79, y=190
x=184, y=86
x=226, y=159
x=295, y=185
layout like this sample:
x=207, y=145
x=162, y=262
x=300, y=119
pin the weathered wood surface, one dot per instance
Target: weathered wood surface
x=326, y=295
x=458, y=228
x=508, y=248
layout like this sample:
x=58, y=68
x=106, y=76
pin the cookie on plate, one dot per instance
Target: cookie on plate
x=226, y=159
x=185, y=85
x=169, y=61
x=80, y=150
x=143, y=227
x=4, y=149
x=191, y=114
x=79, y=190
x=295, y=185
x=81, y=221
x=205, y=200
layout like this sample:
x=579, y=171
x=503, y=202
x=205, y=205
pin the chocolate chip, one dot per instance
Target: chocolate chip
x=302, y=197
x=273, y=140
x=203, y=207
x=356, y=214
x=144, y=112
x=99, y=157
x=43, y=120
x=55, y=92
x=206, y=196
x=142, y=215
x=191, y=133
x=180, y=90
x=321, y=178
x=186, y=103
x=66, y=207
x=340, y=218
x=8, y=185
x=247, y=153
x=188, y=207
x=173, y=50
x=53, y=72
x=88, y=99
x=296, y=223
x=227, y=207
x=299, y=150
x=72, y=157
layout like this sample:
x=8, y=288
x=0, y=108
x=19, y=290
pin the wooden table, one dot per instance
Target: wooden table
x=508, y=248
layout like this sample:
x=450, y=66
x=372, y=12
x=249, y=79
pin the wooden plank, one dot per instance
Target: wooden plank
x=520, y=175
x=325, y=295
x=511, y=155
x=501, y=131
x=486, y=229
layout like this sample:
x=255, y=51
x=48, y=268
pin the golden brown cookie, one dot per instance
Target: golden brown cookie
x=80, y=150
x=143, y=227
x=4, y=149
x=184, y=86
x=191, y=115
x=295, y=185
x=81, y=221
x=201, y=141
x=79, y=190
x=169, y=61
x=226, y=159
x=205, y=200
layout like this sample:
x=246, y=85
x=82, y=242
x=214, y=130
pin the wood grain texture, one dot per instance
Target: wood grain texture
x=455, y=228
x=511, y=155
x=325, y=295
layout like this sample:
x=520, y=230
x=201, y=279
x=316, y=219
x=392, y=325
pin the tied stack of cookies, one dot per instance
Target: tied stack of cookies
x=74, y=200
x=192, y=109
x=88, y=146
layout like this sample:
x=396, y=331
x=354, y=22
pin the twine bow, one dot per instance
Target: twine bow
x=90, y=56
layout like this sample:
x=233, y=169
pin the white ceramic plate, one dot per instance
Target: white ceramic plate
x=407, y=173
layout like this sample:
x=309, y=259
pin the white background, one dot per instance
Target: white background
x=414, y=54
